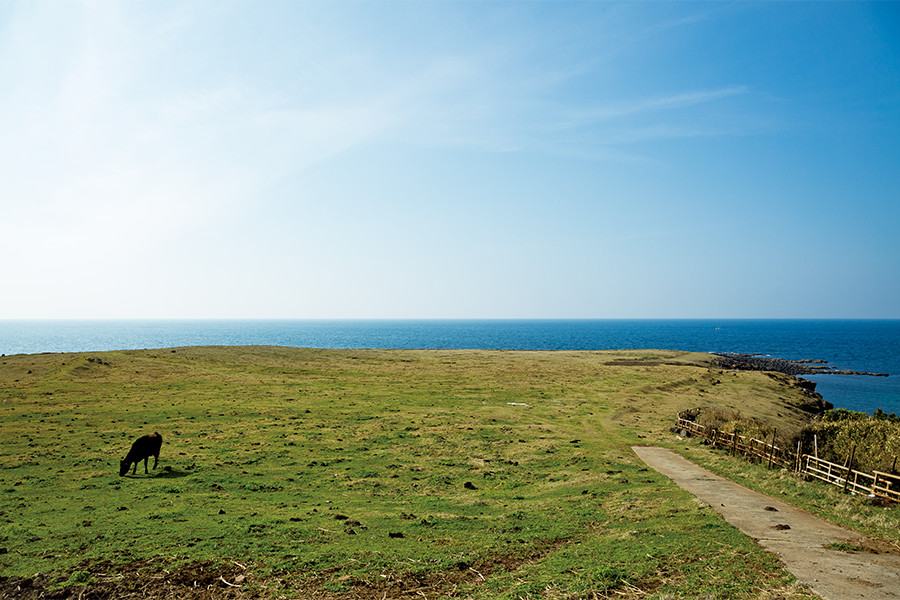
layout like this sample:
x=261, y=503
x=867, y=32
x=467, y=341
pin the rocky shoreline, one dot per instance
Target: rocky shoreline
x=758, y=362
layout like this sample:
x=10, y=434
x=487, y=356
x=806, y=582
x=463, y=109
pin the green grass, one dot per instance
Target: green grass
x=467, y=473
x=845, y=547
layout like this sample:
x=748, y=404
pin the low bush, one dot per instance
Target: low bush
x=873, y=440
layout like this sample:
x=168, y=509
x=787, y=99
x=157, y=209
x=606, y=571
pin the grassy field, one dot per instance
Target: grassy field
x=366, y=474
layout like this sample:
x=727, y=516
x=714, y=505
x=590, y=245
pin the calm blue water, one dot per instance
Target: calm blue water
x=872, y=346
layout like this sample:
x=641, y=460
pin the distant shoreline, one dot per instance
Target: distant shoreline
x=851, y=346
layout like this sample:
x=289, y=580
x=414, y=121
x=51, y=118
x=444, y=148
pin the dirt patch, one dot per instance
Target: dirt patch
x=147, y=580
x=138, y=579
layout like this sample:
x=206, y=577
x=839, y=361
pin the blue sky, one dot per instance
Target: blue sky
x=449, y=160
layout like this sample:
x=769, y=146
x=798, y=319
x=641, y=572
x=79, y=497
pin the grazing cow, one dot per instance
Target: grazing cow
x=142, y=448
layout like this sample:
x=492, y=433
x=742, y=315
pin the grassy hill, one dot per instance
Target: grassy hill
x=304, y=473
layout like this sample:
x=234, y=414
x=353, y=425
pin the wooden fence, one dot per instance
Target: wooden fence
x=882, y=485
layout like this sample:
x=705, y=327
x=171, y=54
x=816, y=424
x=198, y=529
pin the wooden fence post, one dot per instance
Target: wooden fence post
x=772, y=452
x=797, y=459
x=849, y=467
x=816, y=446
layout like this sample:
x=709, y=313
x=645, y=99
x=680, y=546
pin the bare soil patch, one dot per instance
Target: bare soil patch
x=146, y=580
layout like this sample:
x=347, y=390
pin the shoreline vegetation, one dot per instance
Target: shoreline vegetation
x=304, y=473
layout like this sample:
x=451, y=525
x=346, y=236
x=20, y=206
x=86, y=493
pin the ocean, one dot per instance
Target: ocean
x=855, y=345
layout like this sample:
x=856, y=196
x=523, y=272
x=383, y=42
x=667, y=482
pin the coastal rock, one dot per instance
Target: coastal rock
x=807, y=366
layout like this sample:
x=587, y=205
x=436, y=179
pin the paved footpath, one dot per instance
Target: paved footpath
x=795, y=536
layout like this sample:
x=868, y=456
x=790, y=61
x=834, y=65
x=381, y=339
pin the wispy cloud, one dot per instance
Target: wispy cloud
x=644, y=106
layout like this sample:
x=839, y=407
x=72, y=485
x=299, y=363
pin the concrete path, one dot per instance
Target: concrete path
x=795, y=536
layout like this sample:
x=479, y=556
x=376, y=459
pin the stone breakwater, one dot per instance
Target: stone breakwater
x=757, y=362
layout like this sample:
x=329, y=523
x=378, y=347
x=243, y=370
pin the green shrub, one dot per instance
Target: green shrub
x=842, y=414
x=873, y=441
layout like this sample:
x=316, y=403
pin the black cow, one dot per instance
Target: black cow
x=142, y=448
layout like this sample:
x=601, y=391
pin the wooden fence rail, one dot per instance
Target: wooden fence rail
x=882, y=485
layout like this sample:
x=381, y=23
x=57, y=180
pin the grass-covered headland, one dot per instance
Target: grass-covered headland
x=369, y=473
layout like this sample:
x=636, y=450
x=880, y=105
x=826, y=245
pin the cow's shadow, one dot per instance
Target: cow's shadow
x=163, y=473
x=170, y=473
